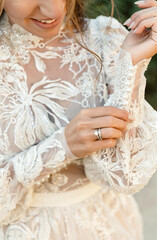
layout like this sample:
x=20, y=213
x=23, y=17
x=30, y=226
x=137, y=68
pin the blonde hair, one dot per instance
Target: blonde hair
x=1, y=6
x=75, y=20
x=76, y=12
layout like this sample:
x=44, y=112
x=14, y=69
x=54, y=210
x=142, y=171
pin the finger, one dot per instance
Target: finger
x=107, y=133
x=139, y=16
x=142, y=15
x=148, y=23
x=108, y=122
x=110, y=133
x=102, y=144
x=105, y=111
x=146, y=3
x=142, y=4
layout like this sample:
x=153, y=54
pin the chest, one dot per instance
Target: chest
x=43, y=95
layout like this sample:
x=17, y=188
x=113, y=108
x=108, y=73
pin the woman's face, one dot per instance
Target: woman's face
x=40, y=17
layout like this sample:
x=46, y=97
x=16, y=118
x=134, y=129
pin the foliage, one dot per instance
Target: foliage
x=123, y=10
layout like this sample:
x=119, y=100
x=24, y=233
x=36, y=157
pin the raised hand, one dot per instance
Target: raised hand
x=141, y=42
x=80, y=135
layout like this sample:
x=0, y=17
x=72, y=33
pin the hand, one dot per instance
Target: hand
x=79, y=132
x=141, y=42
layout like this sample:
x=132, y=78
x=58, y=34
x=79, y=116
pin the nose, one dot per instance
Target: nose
x=52, y=8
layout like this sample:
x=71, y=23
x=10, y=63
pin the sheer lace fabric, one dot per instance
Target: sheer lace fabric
x=111, y=220
x=36, y=104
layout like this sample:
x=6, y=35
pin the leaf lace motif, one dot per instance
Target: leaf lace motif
x=24, y=108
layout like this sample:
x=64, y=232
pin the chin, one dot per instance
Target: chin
x=45, y=33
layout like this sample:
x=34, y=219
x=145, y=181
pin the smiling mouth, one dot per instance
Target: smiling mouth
x=45, y=21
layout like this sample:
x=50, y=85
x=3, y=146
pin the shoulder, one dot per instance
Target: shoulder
x=5, y=43
x=107, y=30
x=105, y=24
x=105, y=37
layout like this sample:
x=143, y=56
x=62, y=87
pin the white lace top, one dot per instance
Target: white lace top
x=43, y=85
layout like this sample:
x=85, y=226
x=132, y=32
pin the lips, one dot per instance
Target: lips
x=46, y=23
x=49, y=21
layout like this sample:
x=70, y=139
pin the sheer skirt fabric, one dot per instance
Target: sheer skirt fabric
x=105, y=215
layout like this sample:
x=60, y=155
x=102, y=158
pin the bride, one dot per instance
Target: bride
x=77, y=138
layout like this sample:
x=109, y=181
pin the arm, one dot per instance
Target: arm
x=127, y=167
x=20, y=172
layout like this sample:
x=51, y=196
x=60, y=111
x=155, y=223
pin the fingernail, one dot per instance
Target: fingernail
x=131, y=118
x=127, y=21
x=139, y=2
x=131, y=25
x=135, y=30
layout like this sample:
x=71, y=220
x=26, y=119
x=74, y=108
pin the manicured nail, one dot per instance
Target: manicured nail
x=131, y=25
x=131, y=118
x=127, y=21
x=139, y=2
x=135, y=30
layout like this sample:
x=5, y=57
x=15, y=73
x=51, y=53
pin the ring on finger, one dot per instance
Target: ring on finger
x=97, y=133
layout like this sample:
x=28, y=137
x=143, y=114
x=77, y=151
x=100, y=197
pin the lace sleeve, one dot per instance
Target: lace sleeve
x=20, y=172
x=127, y=167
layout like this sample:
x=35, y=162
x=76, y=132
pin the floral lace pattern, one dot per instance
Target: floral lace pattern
x=73, y=223
x=36, y=104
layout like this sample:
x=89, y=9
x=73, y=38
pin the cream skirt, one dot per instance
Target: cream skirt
x=87, y=213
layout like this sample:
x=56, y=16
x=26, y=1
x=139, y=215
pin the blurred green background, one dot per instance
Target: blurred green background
x=123, y=10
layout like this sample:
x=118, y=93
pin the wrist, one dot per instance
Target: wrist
x=69, y=155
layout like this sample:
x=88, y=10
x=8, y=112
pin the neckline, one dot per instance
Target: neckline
x=17, y=29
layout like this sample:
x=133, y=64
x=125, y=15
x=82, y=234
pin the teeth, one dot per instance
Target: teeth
x=47, y=21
